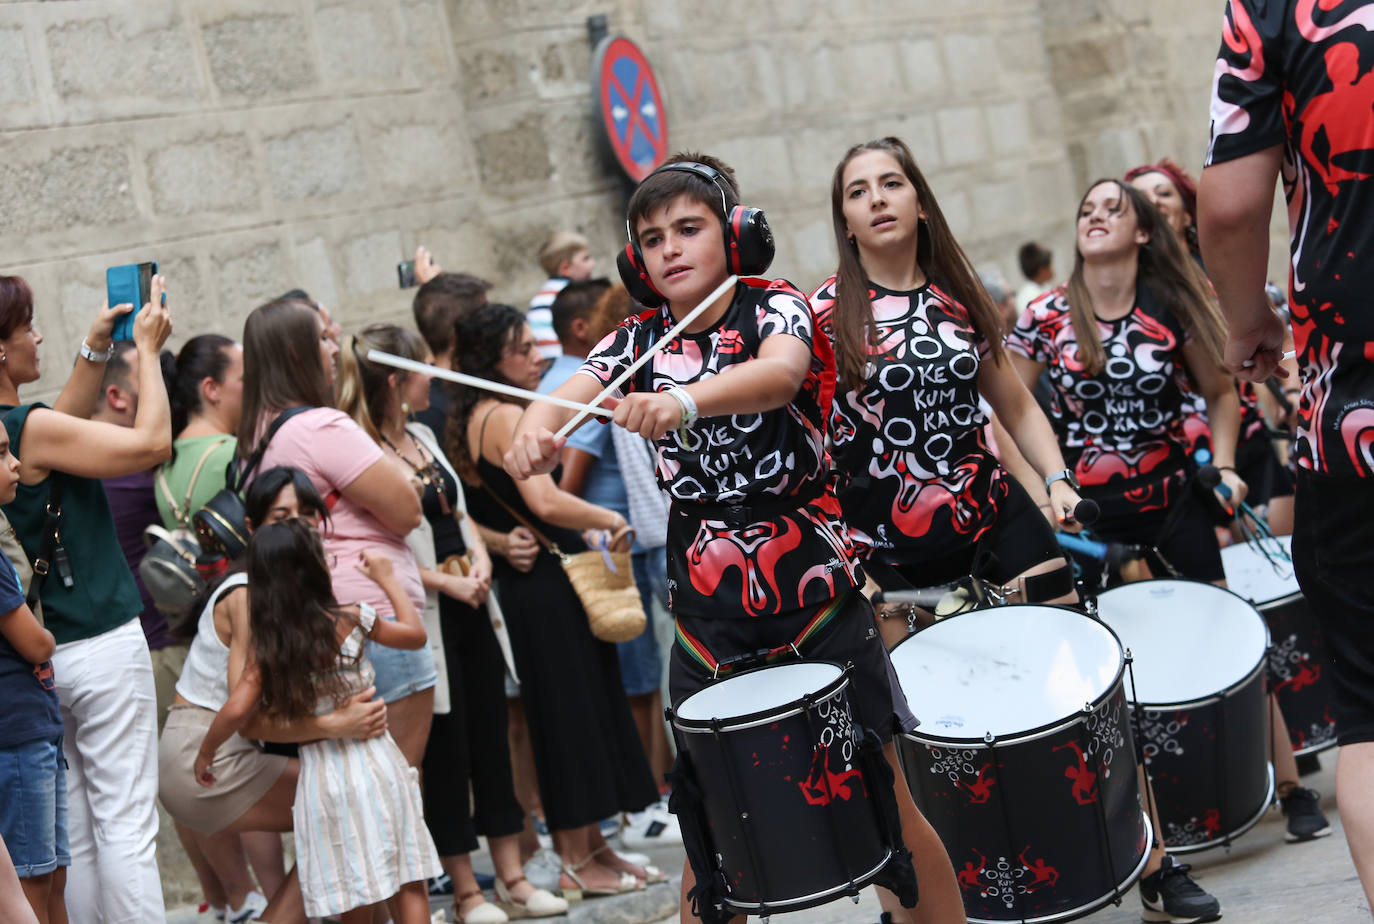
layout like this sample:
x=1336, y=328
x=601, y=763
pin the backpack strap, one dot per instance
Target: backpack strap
x=182, y=513
x=258, y=453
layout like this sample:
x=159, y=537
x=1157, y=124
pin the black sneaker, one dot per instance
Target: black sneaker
x=440, y=885
x=1302, y=808
x=1169, y=895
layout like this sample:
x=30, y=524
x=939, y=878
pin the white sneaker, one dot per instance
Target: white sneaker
x=543, y=869
x=653, y=827
x=253, y=905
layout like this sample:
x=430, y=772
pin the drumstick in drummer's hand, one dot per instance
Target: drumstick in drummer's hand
x=410, y=365
x=663, y=341
x=1291, y=354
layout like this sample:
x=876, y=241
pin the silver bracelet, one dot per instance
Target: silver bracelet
x=92, y=356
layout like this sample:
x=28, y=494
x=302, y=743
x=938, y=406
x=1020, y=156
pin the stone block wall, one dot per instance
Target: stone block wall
x=251, y=146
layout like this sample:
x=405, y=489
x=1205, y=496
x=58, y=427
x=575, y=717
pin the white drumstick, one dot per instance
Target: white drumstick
x=410, y=365
x=648, y=354
x=1289, y=355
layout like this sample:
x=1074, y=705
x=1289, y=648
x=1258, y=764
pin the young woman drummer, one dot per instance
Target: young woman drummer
x=917, y=343
x=1270, y=485
x=1122, y=340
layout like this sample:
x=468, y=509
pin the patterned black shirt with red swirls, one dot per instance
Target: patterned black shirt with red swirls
x=1120, y=429
x=1297, y=73
x=787, y=557
x=915, y=475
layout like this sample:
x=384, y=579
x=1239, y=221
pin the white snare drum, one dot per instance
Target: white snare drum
x=1200, y=654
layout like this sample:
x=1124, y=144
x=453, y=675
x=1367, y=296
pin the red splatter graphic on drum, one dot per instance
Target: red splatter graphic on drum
x=822, y=785
x=968, y=876
x=1084, y=789
x=1307, y=675
x=1043, y=873
x=980, y=790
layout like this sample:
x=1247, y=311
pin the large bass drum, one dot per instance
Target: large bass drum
x=1298, y=665
x=1200, y=654
x=1024, y=762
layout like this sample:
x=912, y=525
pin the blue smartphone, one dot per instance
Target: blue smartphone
x=131, y=284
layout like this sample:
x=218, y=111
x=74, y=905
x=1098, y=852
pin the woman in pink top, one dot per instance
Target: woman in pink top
x=289, y=362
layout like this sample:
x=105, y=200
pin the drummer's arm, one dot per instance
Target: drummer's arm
x=534, y=449
x=1003, y=383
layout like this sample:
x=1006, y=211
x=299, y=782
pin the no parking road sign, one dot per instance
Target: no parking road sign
x=631, y=106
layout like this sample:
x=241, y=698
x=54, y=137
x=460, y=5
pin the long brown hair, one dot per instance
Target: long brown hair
x=293, y=615
x=938, y=254
x=481, y=336
x=363, y=386
x=281, y=365
x=1163, y=267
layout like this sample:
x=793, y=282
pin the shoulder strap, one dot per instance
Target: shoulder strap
x=538, y=536
x=47, y=545
x=182, y=513
x=258, y=453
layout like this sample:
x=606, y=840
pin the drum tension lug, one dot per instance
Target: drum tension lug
x=989, y=737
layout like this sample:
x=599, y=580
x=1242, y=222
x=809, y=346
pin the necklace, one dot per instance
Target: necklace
x=428, y=472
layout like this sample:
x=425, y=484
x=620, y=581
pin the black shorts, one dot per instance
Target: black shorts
x=1190, y=545
x=851, y=637
x=1333, y=556
x=1259, y=467
x=1020, y=539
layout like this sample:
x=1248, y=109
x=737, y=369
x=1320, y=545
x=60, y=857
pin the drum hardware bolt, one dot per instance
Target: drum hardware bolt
x=1088, y=708
x=854, y=899
x=743, y=816
x=989, y=737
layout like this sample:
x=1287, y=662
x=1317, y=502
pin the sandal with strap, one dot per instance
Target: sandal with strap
x=541, y=904
x=484, y=913
x=627, y=883
x=652, y=874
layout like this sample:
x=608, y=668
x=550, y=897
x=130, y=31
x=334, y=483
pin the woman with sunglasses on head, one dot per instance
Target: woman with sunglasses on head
x=918, y=345
x=468, y=743
x=1169, y=187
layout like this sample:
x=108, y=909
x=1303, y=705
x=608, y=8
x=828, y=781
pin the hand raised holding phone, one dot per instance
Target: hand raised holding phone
x=153, y=324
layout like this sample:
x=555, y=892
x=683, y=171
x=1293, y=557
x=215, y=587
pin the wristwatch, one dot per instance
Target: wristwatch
x=1062, y=475
x=102, y=356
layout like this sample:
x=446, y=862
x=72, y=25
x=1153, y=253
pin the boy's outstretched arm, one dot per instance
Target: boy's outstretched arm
x=534, y=450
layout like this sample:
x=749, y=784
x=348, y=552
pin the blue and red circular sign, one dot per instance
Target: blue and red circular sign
x=631, y=106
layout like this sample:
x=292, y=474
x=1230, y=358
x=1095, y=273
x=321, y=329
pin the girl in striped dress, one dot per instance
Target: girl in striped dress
x=360, y=832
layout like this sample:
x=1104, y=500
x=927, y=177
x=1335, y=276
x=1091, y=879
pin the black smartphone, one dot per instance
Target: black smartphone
x=130, y=284
x=405, y=273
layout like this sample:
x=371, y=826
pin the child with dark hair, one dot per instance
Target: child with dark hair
x=758, y=555
x=358, y=816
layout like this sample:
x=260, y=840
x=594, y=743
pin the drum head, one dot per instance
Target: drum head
x=1190, y=641
x=1253, y=576
x=758, y=691
x=1005, y=670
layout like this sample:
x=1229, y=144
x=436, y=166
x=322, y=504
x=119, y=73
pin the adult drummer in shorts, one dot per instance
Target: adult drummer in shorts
x=737, y=406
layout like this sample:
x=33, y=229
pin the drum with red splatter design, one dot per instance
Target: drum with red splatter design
x=1023, y=762
x=793, y=822
x=1200, y=658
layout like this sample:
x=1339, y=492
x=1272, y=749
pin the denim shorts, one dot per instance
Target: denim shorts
x=400, y=671
x=641, y=663
x=33, y=806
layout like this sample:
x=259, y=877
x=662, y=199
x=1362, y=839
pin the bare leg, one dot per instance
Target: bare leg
x=37, y=890
x=1354, y=782
x=1157, y=850
x=361, y=915
x=466, y=894
x=57, y=902
x=893, y=907
x=287, y=905
x=412, y=904
x=940, y=901
x=1281, y=751
x=264, y=852
x=210, y=886
x=523, y=775
x=223, y=853
x=408, y=719
x=1281, y=515
x=505, y=856
x=574, y=846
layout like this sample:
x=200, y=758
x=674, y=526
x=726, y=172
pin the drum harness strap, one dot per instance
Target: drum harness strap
x=718, y=668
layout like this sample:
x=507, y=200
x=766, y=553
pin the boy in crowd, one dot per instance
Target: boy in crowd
x=758, y=557
x=1037, y=265
x=565, y=256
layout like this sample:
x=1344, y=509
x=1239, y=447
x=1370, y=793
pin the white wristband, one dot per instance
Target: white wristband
x=689, y=406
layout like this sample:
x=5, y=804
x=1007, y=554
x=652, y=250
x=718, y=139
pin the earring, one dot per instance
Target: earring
x=405, y=408
x=850, y=237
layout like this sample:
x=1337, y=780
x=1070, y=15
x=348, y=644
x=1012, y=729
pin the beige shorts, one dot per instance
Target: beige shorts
x=243, y=774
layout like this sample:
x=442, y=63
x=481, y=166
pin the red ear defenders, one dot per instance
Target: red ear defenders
x=748, y=241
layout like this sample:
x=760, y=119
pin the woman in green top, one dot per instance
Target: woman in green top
x=101, y=668
x=205, y=388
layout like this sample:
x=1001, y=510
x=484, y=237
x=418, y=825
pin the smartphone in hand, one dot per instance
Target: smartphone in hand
x=405, y=274
x=130, y=284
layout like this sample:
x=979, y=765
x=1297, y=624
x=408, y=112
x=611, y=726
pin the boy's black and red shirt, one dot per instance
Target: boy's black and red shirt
x=1121, y=429
x=1298, y=73
x=755, y=528
x=914, y=472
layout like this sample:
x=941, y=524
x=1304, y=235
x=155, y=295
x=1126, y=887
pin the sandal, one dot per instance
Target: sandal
x=541, y=904
x=627, y=883
x=652, y=874
x=484, y=913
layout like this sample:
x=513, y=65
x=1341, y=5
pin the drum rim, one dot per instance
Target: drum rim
x=1040, y=731
x=1224, y=691
x=1226, y=839
x=802, y=902
x=1275, y=602
x=1211, y=698
x=772, y=713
